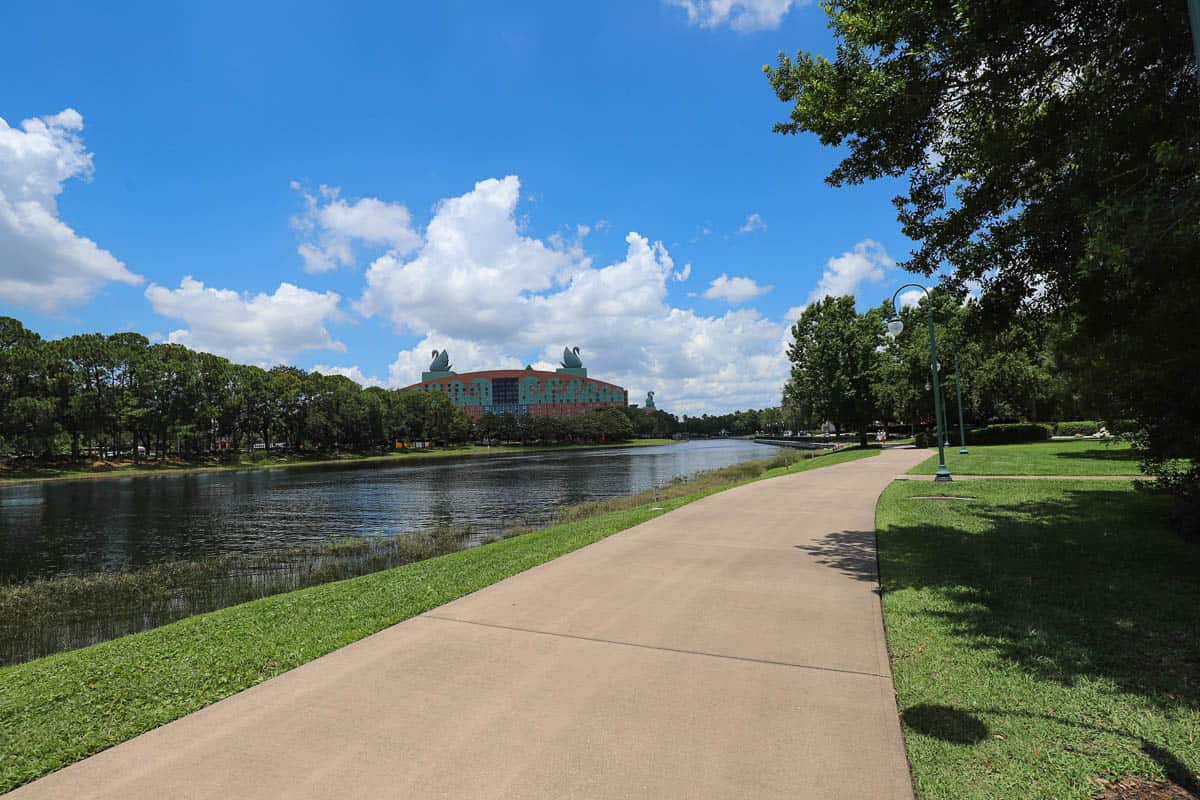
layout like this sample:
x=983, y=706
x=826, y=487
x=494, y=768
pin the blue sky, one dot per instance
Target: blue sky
x=500, y=180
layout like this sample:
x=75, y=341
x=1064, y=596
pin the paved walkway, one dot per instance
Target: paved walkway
x=733, y=648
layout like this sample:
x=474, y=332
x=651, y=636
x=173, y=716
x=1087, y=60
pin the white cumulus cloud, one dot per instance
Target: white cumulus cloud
x=44, y=263
x=741, y=15
x=910, y=298
x=262, y=329
x=844, y=274
x=465, y=356
x=475, y=275
x=332, y=227
x=353, y=373
x=495, y=297
x=735, y=290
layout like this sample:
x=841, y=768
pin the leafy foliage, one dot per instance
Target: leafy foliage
x=737, y=423
x=1011, y=433
x=1052, y=151
x=119, y=394
x=835, y=362
x=1077, y=428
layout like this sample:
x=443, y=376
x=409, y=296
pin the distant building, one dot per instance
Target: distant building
x=562, y=393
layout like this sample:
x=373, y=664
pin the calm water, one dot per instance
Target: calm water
x=87, y=526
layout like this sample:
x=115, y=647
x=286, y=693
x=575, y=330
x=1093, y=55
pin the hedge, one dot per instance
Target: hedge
x=1085, y=427
x=1016, y=433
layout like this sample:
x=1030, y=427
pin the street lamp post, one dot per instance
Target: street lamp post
x=1194, y=16
x=895, y=326
x=962, y=429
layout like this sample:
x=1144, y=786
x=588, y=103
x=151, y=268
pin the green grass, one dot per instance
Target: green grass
x=1076, y=457
x=247, y=461
x=1043, y=635
x=59, y=709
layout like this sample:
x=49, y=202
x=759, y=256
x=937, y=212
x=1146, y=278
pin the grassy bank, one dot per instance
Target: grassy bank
x=126, y=469
x=42, y=617
x=1073, y=457
x=1044, y=637
x=61, y=708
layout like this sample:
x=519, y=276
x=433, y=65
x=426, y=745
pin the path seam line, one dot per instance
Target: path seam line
x=747, y=659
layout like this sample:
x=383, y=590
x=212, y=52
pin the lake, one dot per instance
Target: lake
x=87, y=526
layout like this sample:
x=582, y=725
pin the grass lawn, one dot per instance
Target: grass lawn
x=127, y=469
x=1043, y=635
x=61, y=708
x=1074, y=457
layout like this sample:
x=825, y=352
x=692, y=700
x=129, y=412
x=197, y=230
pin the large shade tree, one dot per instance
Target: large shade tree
x=835, y=361
x=1052, y=153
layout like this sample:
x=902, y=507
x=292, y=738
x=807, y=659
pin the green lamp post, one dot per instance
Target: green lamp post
x=962, y=429
x=894, y=327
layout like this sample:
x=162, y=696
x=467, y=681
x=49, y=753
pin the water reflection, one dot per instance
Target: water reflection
x=85, y=526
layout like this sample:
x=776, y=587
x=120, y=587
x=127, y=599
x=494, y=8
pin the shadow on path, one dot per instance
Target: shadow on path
x=850, y=552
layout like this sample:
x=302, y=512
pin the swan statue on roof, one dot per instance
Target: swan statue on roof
x=650, y=400
x=441, y=361
x=570, y=359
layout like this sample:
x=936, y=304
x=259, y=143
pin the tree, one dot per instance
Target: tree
x=797, y=411
x=1052, y=151
x=834, y=355
x=290, y=387
x=771, y=420
x=257, y=409
x=27, y=409
x=614, y=426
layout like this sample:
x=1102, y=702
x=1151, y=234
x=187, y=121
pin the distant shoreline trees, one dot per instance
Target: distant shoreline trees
x=91, y=395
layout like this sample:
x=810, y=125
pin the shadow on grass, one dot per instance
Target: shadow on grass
x=955, y=726
x=1102, y=453
x=1087, y=583
x=945, y=723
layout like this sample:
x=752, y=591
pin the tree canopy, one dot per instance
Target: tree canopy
x=94, y=394
x=835, y=362
x=1052, y=152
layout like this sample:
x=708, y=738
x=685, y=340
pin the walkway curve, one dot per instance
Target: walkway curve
x=733, y=648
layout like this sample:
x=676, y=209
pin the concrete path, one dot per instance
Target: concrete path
x=733, y=648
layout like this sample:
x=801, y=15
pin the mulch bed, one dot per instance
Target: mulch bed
x=1140, y=789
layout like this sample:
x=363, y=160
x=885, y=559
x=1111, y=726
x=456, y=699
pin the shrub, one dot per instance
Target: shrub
x=1016, y=433
x=925, y=439
x=1085, y=427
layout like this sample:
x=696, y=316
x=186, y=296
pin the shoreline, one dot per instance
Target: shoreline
x=102, y=699
x=467, y=451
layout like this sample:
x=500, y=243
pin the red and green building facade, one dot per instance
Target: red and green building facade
x=538, y=393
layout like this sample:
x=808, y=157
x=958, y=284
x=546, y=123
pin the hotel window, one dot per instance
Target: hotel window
x=505, y=391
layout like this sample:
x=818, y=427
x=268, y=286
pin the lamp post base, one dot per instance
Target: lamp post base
x=942, y=475
x=962, y=451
